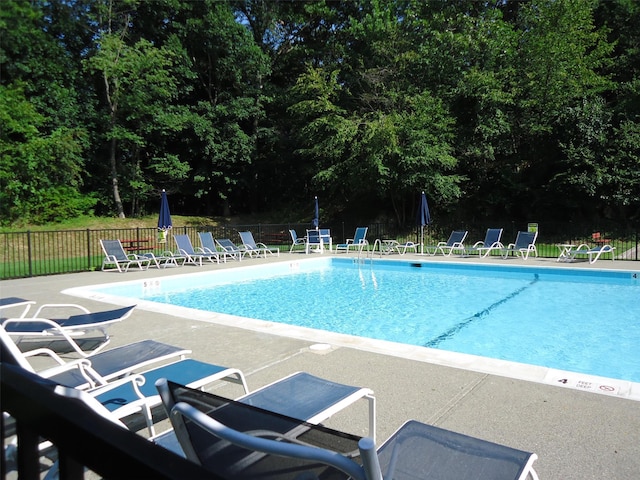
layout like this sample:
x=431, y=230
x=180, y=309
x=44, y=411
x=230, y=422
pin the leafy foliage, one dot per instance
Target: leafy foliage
x=494, y=109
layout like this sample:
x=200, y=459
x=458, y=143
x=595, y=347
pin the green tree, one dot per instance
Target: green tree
x=40, y=173
x=226, y=102
x=44, y=134
x=138, y=86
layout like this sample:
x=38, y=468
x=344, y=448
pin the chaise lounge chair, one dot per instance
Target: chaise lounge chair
x=121, y=260
x=252, y=247
x=593, y=253
x=94, y=370
x=208, y=245
x=136, y=393
x=295, y=240
x=454, y=243
x=491, y=242
x=185, y=248
x=120, y=379
x=231, y=248
x=42, y=328
x=235, y=440
x=524, y=245
x=402, y=248
x=358, y=242
x=16, y=302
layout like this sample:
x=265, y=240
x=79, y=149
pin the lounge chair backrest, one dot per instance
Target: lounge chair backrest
x=206, y=241
x=294, y=235
x=524, y=239
x=493, y=236
x=360, y=235
x=183, y=242
x=247, y=239
x=457, y=236
x=114, y=248
x=228, y=245
x=217, y=433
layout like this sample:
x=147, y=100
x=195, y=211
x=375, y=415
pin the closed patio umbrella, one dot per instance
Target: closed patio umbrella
x=164, y=219
x=424, y=218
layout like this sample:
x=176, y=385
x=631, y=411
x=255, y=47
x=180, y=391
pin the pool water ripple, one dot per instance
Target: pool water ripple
x=581, y=322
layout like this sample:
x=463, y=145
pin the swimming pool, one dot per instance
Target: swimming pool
x=574, y=320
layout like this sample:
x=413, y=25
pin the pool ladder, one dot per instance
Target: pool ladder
x=377, y=244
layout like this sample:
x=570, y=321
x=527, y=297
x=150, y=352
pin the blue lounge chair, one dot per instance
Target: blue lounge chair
x=136, y=393
x=16, y=302
x=402, y=248
x=358, y=242
x=185, y=248
x=233, y=440
x=593, y=253
x=231, y=248
x=208, y=245
x=43, y=328
x=491, y=242
x=252, y=247
x=301, y=395
x=454, y=243
x=295, y=240
x=96, y=369
x=524, y=245
x=121, y=260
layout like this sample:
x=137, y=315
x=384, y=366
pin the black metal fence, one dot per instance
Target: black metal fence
x=83, y=438
x=35, y=253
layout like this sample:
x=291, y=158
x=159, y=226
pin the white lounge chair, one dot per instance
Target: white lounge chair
x=358, y=242
x=136, y=393
x=231, y=248
x=43, y=328
x=252, y=247
x=208, y=245
x=233, y=440
x=94, y=370
x=402, y=248
x=491, y=242
x=295, y=240
x=454, y=243
x=185, y=248
x=16, y=302
x=593, y=253
x=524, y=245
x=115, y=255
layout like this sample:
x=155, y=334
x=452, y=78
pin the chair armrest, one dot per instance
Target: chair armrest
x=51, y=354
x=58, y=305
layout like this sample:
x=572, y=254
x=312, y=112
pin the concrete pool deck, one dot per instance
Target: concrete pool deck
x=576, y=433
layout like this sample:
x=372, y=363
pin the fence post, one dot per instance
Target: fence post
x=30, y=260
x=88, y=249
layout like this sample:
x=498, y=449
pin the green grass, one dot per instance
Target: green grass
x=106, y=223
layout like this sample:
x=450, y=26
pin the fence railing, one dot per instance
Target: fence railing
x=36, y=253
x=83, y=439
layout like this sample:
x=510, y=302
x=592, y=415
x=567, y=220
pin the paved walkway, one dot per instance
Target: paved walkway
x=576, y=434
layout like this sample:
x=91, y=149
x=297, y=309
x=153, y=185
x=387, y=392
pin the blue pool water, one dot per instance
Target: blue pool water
x=577, y=320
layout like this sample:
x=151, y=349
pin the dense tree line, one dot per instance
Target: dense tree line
x=496, y=109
